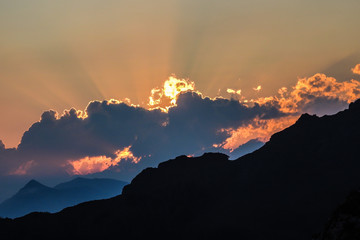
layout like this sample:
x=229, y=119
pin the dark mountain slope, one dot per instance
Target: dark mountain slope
x=345, y=222
x=35, y=196
x=285, y=190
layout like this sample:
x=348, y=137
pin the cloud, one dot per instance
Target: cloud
x=259, y=129
x=195, y=122
x=318, y=94
x=233, y=91
x=103, y=127
x=356, y=69
x=89, y=141
x=258, y=88
x=166, y=96
x=88, y=165
x=115, y=136
x=310, y=93
x=2, y=146
x=24, y=168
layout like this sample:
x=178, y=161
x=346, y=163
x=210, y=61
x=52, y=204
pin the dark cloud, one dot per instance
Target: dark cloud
x=196, y=121
x=108, y=126
x=2, y=146
x=7, y=159
x=324, y=106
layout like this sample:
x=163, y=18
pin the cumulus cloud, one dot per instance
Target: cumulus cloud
x=194, y=124
x=309, y=93
x=318, y=94
x=116, y=136
x=356, y=69
x=89, y=141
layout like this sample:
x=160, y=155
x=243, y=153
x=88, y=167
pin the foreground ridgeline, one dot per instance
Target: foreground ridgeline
x=287, y=189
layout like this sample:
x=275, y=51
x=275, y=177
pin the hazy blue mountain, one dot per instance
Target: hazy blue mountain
x=35, y=196
x=246, y=148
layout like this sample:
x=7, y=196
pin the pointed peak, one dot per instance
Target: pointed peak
x=31, y=187
x=33, y=184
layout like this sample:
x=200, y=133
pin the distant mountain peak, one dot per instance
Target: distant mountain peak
x=31, y=187
x=79, y=179
x=33, y=184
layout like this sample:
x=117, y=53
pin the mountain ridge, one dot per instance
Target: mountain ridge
x=35, y=196
x=287, y=189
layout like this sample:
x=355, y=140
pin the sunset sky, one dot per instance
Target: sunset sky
x=220, y=73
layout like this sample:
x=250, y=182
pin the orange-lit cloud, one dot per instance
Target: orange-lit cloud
x=88, y=165
x=258, y=88
x=295, y=102
x=166, y=96
x=24, y=168
x=307, y=90
x=356, y=69
x=259, y=129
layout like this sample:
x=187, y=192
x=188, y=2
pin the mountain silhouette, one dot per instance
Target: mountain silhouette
x=345, y=221
x=285, y=190
x=35, y=196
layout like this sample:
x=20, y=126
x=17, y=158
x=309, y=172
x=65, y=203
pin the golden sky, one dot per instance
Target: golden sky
x=62, y=54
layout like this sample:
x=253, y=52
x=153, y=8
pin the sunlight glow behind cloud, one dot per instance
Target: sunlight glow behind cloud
x=166, y=96
x=233, y=91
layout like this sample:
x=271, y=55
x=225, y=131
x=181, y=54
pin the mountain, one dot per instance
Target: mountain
x=35, y=196
x=285, y=190
x=91, y=189
x=345, y=222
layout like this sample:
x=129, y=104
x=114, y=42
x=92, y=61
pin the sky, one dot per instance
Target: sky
x=110, y=87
